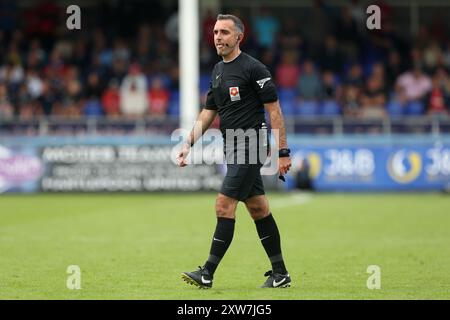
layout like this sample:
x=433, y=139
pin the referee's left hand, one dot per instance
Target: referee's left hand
x=284, y=164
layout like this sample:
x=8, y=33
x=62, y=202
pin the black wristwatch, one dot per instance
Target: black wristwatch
x=282, y=153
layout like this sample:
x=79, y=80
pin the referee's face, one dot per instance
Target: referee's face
x=225, y=37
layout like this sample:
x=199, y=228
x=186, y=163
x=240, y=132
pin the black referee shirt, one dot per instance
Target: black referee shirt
x=238, y=90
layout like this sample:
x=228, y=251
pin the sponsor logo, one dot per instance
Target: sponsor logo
x=276, y=284
x=404, y=167
x=315, y=164
x=19, y=168
x=310, y=161
x=234, y=94
x=262, y=82
x=204, y=281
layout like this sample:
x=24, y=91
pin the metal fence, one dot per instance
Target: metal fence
x=48, y=126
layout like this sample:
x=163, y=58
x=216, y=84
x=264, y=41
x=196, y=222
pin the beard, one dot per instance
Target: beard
x=224, y=51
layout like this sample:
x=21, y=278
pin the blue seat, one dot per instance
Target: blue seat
x=287, y=100
x=165, y=79
x=415, y=108
x=287, y=94
x=204, y=82
x=174, y=103
x=308, y=108
x=330, y=108
x=395, y=109
x=93, y=108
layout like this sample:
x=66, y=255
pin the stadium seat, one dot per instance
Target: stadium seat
x=415, y=108
x=204, y=82
x=395, y=109
x=287, y=101
x=93, y=108
x=165, y=79
x=174, y=103
x=330, y=108
x=308, y=108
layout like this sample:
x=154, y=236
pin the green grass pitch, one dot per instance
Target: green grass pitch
x=136, y=246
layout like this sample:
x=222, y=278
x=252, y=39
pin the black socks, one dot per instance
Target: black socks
x=268, y=234
x=221, y=241
x=270, y=239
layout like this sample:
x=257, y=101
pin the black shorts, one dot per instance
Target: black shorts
x=242, y=181
x=244, y=162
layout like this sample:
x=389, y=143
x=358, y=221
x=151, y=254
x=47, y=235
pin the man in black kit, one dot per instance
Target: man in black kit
x=241, y=89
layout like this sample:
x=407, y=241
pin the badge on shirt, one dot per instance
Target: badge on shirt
x=234, y=94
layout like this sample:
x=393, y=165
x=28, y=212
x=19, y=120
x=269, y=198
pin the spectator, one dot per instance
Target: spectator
x=144, y=45
x=27, y=108
x=330, y=88
x=373, y=98
x=268, y=58
x=347, y=33
x=111, y=99
x=288, y=71
x=55, y=72
x=133, y=93
x=159, y=98
x=413, y=85
x=351, y=100
x=447, y=55
x=73, y=87
x=121, y=50
x=47, y=98
x=80, y=56
x=309, y=85
x=433, y=56
x=265, y=27
x=437, y=101
x=319, y=22
x=93, y=86
x=43, y=71
x=394, y=68
x=34, y=84
x=416, y=56
x=118, y=70
x=12, y=73
x=355, y=75
x=37, y=52
x=6, y=107
x=379, y=73
x=358, y=13
x=290, y=36
x=330, y=57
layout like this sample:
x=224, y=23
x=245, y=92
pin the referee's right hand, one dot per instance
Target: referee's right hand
x=182, y=155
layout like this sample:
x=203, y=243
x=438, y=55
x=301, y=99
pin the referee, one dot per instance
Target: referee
x=241, y=88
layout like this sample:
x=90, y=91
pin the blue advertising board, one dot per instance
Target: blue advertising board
x=376, y=168
x=141, y=163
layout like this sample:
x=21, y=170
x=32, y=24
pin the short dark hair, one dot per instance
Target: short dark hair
x=237, y=22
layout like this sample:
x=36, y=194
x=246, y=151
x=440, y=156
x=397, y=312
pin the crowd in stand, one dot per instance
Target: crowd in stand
x=338, y=67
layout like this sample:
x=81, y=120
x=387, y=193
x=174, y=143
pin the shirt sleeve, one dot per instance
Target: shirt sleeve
x=263, y=84
x=210, y=103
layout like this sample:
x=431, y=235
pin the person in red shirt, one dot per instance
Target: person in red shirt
x=288, y=71
x=437, y=98
x=159, y=98
x=111, y=99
